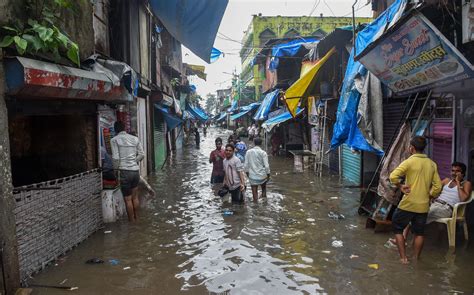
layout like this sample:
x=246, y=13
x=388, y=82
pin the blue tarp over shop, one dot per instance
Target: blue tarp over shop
x=171, y=120
x=192, y=22
x=188, y=116
x=266, y=106
x=275, y=121
x=346, y=129
x=222, y=116
x=234, y=106
x=287, y=49
x=197, y=112
x=245, y=110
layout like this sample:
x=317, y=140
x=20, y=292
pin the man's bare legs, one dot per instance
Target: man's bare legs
x=401, y=248
x=418, y=245
x=264, y=190
x=129, y=207
x=136, y=202
x=255, y=193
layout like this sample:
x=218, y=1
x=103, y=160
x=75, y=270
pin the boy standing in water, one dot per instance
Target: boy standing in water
x=217, y=160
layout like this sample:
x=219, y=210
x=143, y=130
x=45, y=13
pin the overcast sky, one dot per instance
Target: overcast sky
x=236, y=20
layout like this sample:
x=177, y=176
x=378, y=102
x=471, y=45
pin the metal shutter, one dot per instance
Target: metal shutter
x=351, y=164
x=442, y=146
x=392, y=113
x=159, y=138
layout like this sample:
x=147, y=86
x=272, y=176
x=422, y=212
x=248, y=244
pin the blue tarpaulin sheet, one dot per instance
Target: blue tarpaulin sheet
x=234, y=106
x=197, y=112
x=266, y=106
x=345, y=128
x=270, y=123
x=215, y=54
x=187, y=115
x=287, y=49
x=245, y=110
x=222, y=116
x=171, y=120
x=192, y=22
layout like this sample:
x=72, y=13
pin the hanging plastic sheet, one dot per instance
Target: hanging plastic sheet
x=197, y=112
x=266, y=106
x=299, y=89
x=192, y=22
x=287, y=49
x=245, y=110
x=346, y=129
x=277, y=120
x=188, y=116
x=215, y=54
x=234, y=106
x=171, y=120
x=222, y=117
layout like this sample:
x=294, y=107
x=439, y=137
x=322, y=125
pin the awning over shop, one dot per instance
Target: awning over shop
x=288, y=49
x=32, y=78
x=192, y=22
x=245, y=110
x=222, y=116
x=171, y=120
x=265, y=107
x=277, y=120
x=300, y=88
x=195, y=70
x=197, y=112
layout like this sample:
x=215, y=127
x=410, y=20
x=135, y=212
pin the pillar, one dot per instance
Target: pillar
x=8, y=242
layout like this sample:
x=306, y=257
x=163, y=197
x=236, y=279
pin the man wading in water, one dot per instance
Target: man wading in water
x=234, y=175
x=257, y=168
x=127, y=152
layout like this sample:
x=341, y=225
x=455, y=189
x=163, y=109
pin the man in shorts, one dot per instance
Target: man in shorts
x=217, y=160
x=234, y=175
x=422, y=182
x=127, y=152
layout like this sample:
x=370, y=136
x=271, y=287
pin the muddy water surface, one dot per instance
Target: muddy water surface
x=286, y=244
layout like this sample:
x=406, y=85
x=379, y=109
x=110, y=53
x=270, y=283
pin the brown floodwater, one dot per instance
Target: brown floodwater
x=285, y=244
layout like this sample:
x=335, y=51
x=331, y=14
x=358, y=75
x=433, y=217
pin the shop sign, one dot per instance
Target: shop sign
x=416, y=57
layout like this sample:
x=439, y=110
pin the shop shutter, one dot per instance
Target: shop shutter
x=442, y=146
x=392, y=113
x=159, y=138
x=351, y=164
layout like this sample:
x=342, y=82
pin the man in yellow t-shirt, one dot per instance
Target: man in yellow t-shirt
x=422, y=182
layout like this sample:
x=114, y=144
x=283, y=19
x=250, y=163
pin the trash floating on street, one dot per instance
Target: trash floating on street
x=107, y=232
x=353, y=256
x=334, y=198
x=373, y=266
x=126, y=268
x=114, y=261
x=335, y=215
x=326, y=252
x=95, y=261
x=307, y=259
x=228, y=213
x=310, y=219
x=337, y=244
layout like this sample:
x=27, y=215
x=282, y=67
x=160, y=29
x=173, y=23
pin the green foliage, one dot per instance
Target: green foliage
x=211, y=103
x=40, y=34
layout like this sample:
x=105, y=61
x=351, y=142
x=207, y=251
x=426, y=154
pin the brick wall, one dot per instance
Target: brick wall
x=54, y=216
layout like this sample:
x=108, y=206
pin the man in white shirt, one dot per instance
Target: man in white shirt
x=257, y=168
x=127, y=152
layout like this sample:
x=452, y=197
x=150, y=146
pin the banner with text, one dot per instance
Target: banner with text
x=416, y=57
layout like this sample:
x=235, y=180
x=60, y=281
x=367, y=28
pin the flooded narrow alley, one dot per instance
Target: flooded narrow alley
x=286, y=244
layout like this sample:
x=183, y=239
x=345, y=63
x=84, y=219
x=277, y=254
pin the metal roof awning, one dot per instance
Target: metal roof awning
x=32, y=78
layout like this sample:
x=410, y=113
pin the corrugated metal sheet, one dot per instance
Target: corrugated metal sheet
x=392, y=113
x=351, y=164
x=442, y=146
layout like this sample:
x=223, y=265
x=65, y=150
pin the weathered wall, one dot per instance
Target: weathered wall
x=52, y=221
x=77, y=24
x=7, y=219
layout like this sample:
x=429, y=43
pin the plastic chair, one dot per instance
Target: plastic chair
x=459, y=211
